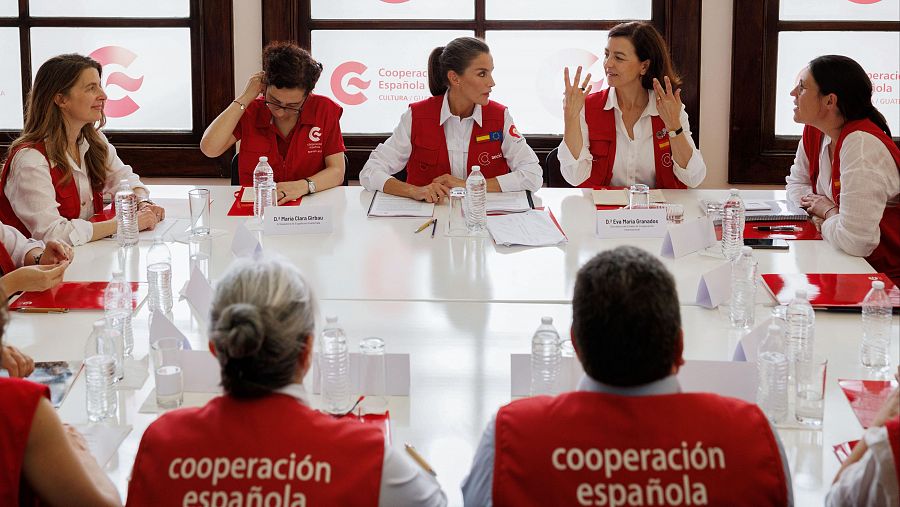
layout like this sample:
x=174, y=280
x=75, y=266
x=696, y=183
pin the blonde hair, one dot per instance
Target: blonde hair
x=44, y=120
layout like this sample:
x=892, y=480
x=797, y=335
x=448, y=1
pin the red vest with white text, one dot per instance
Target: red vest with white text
x=66, y=193
x=587, y=448
x=6, y=263
x=318, y=122
x=429, y=157
x=270, y=448
x=886, y=256
x=893, y=431
x=19, y=400
x=601, y=124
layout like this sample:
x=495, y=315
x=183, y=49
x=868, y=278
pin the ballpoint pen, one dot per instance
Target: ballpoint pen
x=419, y=459
x=433, y=227
x=777, y=228
x=423, y=226
x=32, y=309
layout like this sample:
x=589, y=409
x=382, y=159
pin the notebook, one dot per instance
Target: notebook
x=243, y=203
x=761, y=211
x=829, y=291
x=73, y=296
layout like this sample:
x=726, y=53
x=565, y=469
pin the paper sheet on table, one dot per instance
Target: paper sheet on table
x=162, y=327
x=532, y=228
x=103, y=439
x=248, y=195
x=620, y=197
x=386, y=205
x=162, y=228
x=508, y=202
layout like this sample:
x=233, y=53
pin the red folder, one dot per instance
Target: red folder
x=108, y=213
x=833, y=291
x=807, y=230
x=73, y=296
x=842, y=451
x=866, y=397
x=245, y=209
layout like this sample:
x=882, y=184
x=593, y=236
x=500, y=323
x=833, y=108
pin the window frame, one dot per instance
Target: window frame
x=292, y=20
x=756, y=155
x=159, y=153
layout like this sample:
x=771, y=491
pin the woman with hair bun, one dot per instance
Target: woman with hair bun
x=635, y=131
x=261, y=437
x=847, y=169
x=439, y=139
x=277, y=116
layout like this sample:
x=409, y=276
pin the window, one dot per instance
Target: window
x=375, y=52
x=773, y=41
x=155, y=56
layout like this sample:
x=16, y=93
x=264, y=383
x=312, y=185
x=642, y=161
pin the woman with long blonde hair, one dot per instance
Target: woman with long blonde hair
x=58, y=169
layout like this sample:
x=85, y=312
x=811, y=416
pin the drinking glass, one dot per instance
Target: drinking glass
x=198, y=199
x=809, y=403
x=372, y=375
x=166, y=354
x=639, y=196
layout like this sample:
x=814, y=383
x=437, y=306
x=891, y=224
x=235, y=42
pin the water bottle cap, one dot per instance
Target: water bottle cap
x=877, y=284
x=800, y=293
x=263, y=159
x=546, y=320
x=746, y=250
x=100, y=323
x=476, y=168
x=735, y=191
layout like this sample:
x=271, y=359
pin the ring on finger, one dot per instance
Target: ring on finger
x=581, y=88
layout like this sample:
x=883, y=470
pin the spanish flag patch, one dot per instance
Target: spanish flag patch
x=663, y=145
x=481, y=139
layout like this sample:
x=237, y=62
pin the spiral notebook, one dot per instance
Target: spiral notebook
x=761, y=211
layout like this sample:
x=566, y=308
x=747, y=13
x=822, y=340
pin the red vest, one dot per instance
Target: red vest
x=601, y=124
x=586, y=448
x=6, y=263
x=271, y=446
x=18, y=399
x=886, y=256
x=66, y=193
x=893, y=431
x=307, y=149
x=429, y=158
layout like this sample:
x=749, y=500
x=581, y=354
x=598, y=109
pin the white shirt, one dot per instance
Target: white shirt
x=402, y=481
x=871, y=481
x=30, y=191
x=16, y=244
x=391, y=157
x=869, y=182
x=634, y=162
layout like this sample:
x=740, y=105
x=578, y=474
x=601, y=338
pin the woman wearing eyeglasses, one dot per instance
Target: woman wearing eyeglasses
x=279, y=117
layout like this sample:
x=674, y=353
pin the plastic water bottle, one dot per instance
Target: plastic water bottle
x=545, y=358
x=118, y=309
x=159, y=276
x=100, y=370
x=801, y=320
x=126, y=215
x=743, y=289
x=476, y=209
x=263, y=188
x=733, y=225
x=772, y=366
x=335, y=363
x=876, y=321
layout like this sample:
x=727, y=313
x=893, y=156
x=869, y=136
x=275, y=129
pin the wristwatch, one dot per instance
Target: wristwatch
x=311, y=184
x=673, y=133
x=37, y=258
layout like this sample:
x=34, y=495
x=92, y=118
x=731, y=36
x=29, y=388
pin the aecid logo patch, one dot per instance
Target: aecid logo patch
x=117, y=55
x=339, y=88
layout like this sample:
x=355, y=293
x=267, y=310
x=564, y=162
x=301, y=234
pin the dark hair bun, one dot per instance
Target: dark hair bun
x=240, y=331
x=287, y=65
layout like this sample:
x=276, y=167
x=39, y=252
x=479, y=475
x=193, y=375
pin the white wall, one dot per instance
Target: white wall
x=715, y=75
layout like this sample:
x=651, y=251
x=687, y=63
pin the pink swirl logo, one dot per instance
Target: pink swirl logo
x=394, y=1
x=337, y=83
x=119, y=108
x=865, y=2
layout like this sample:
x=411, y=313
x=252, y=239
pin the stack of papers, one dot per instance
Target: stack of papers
x=386, y=205
x=531, y=228
x=761, y=211
x=620, y=197
x=508, y=202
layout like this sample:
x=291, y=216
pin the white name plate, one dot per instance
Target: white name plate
x=631, y=223
x=298, y=220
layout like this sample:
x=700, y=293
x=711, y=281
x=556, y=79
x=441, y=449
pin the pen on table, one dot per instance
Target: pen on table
x=778, y=228
x=32, y=309
x=425, y=225
x=419, y=459
x=433, y=227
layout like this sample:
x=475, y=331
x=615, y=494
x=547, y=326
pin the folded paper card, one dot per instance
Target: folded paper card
x=162, y=327
x=866, y=397
x=715, y=286
x=199, y=293
x=748, y=347
x=302, y=220
x=245, y=243
x=396, y=378
x=688, y=237
x=631, y=223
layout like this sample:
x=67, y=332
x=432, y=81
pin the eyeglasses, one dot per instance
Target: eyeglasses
x=279, y=107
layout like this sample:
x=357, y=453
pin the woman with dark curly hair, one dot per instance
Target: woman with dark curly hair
x=277, y=116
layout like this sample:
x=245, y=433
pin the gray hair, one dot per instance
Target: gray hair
x=261, y=321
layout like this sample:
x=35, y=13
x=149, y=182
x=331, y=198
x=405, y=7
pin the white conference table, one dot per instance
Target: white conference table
x=459, y=307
